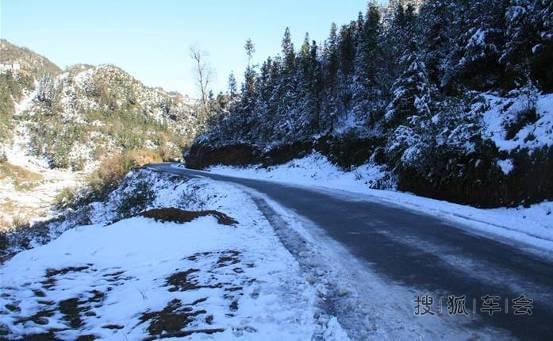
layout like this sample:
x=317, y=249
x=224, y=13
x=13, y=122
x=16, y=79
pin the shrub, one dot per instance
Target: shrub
x=65, y=197
x=19, y=222
x=112, y=170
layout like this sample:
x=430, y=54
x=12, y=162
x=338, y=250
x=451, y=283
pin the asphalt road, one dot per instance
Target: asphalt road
x=428, y=253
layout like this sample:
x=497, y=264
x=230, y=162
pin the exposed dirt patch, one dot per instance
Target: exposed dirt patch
x=65, y=271
x=220, y=271
x=39, y=293
x=71, y=312
x=113, y=326
x=116, y=278
x=182, y=281
x=116, y=274
x=22, y=178
x=40, y=317
x=47, y=336
x=186, y=333
x=12, y=308
x=228, y=258
x=49, y=283
x=50, y=280
x=171, y=321
x=176, y=215
x=97, y=296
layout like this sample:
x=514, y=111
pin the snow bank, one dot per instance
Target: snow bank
x=315, y=169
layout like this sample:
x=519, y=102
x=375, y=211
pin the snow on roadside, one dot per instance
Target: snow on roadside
x=315, y=169
x=137, y=277
x=531, y=226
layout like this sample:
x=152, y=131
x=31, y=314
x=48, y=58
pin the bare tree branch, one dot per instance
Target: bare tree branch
x=203, y=74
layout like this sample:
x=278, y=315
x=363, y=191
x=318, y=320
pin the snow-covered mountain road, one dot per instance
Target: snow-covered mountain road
x=444, y=274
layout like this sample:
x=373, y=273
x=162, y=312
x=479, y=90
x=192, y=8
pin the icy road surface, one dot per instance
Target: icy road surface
x=421, y=257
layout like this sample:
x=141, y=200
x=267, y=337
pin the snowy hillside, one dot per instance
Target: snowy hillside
x=77, y=116
x=103, y=110
x=56, y=127
x=28, y=187
x=84, y=88
x=20, y=69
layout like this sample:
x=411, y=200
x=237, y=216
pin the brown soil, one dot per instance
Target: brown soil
x=176, y=215
x=171, y=321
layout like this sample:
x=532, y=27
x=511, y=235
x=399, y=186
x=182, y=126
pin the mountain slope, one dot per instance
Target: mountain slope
x=20, y=68
x=89, y=111
x=75, y=117
x=55, y=124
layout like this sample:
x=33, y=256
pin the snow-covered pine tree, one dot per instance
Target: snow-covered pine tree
x=436, y=18
x=412, y=92
x=408, y=116
x=330, y=67
x=367, y=93
x=542, y=51
x=232, y=86
x=474, y=62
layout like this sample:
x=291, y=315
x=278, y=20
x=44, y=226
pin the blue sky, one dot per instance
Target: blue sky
x=151, y=39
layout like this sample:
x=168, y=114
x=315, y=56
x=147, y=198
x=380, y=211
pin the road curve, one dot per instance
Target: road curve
x=427, y=253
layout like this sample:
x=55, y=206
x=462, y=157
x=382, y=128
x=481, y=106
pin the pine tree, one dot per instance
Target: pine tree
x=412, y=92
x=232, y=86
x=250, y=50
x=542, y=51
x=305, y=56
x=475, y=61
x=409, y=114
x=400, y=31
x=437, y=29
x=288, y=51
x=368, y=66
x=331, y=56
x=317, y=86
x=346, y=50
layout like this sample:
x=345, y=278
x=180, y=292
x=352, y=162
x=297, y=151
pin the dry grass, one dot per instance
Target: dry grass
x=22, y=178
x=19, y=221
x=10, y=213
x=114, y=168
x=65, y=197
